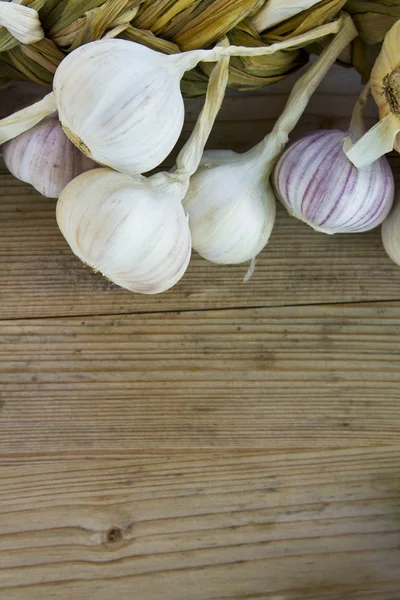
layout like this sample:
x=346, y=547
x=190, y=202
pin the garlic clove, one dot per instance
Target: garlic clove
x=131, y=229
x=391, y=233
x=231, y=208
x=44, y=157
x=318, y=185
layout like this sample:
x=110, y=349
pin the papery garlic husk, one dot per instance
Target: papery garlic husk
x=230, y=203
x=385, y=88
x=44, y=157
x=277, y=11
x=120, y=102
x=318, y=185
x=131, y=229
x=21, y=21
x=231, y=206
x=391, y=233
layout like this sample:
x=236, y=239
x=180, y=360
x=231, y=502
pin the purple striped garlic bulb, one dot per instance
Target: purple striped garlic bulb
x=318, y=184
x=44, y=157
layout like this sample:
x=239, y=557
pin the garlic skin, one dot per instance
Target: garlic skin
x=44, y=157
x=129, y=94
x=131, y=229
x=391, y=233
x=318, y=185
x=231, y=207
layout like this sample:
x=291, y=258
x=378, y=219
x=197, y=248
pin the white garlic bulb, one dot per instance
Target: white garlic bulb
x=133, y=230
x=391, y=233
x=230, y=203
x=120, y=102
x=129, y=94
x=319, y=185
x=44, y=157
x=231, y=206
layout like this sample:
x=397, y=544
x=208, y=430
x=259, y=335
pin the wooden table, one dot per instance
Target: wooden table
x=220, y=441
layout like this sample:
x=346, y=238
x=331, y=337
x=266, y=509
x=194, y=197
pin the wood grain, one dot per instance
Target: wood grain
x=154, y=448
x=305, y=526
x=300, y=377
x=40, y=277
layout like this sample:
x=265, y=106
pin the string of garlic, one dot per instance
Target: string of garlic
x=230, y=202
x=120, y=102
x=319, y=185
x=134, y=229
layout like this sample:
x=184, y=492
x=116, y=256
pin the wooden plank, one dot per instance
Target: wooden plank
x=40, y=277
x=304, y=526
x=300, y=377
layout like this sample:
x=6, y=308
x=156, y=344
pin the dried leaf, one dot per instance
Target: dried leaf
x=44, y=53
x=363, y=57
x=28, y=67
x=66, y=36
x=389, y=7
x=147, y=38
x=151, y=10
x=373, y=27
x=305, y=21
x=183, y=18
x=98, y=21
x=65, y=13
x=279, y=63
x=276, y=11
x=166, y=17
x=215, y=21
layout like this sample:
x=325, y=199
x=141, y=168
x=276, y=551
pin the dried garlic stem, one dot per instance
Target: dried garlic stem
x=189, y=157
x=26, y=118
x=21, y=21
x=303, y=89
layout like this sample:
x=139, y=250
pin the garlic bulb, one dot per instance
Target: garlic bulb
x=231, y=206
x=230, y=203
x=319, y=185
x=391, y=233
x=120, y=102
x=385, y=88
x=133, y=229
x=44, y=157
